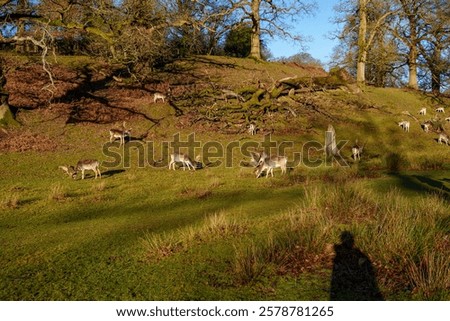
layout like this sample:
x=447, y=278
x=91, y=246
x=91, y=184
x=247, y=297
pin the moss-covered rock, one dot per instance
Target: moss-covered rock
x=7, y=117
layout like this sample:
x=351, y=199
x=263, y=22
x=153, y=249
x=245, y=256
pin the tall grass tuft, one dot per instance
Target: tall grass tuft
x=217, y=225
x=248, y=263
x=253, y=259
x=57, y=193
x=10, y=201
x=430, y=276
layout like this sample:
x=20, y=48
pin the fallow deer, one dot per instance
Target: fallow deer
x=89, y=164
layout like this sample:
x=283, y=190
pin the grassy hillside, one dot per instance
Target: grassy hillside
x=143, y=232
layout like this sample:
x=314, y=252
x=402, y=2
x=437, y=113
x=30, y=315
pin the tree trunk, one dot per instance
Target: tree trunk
x=412, y=59
x=6, y=116
x=362, y=45
x=412, y=66
x=436, y=71
x=255, y=49
x=435, y=81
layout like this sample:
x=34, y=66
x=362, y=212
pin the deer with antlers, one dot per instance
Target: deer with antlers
x=120, y=134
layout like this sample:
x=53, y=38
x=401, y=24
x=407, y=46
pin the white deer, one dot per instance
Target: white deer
x=160, y=96
x=447, y=119
x=252, y=129
x=89, y=164
x=356, y=151
x=115, y=133
x=423, y=111
x=427, y=125
x=405, y=125
x=231, y=94
x=269, y=163
x=443, y=137
x=440, y=110
x=181, y=158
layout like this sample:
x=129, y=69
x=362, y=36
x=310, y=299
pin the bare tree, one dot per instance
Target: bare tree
x=367, y=32
x=434, y=49
x=410, y=34
x=270, y=17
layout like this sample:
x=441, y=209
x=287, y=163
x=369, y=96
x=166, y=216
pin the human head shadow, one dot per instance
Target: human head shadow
x=353, y=277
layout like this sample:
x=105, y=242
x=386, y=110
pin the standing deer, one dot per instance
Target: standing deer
x=405, y=125
x=252, y=129
x=89, y=164
x=181, y=158
x=426, y=126
x=443, y=137
x=115, y=133
x=268, y=164
x=423, y=111
x=160, y=96
x=440, y=110
x=356, y=151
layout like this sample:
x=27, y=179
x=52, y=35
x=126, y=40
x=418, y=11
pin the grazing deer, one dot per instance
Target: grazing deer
x=160, y=96
x=356, y=151
x=89, y=164
x=423, y=111
x=231, y=94
x=115, y=133
x=443, y=137
x=252, y=129
x=426, y=126
x=440, y=110
x=269, y=164
x=181, y=158
x=405, y=125
x=69, y=170
x=256, y=157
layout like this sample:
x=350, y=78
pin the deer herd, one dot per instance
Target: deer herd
x=259, y=160
x=430, y=125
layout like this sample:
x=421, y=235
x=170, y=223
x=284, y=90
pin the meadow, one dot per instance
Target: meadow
x=218, y=233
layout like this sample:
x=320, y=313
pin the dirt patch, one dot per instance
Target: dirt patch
x=25, y=140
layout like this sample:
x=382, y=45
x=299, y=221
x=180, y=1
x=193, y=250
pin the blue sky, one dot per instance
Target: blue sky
x=317, y=28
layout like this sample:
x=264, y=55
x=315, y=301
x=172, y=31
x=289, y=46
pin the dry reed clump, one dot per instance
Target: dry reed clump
x=10, y=201
x=100, y=187
x=253, y=259
x=57, y=193
x=215, y=226
x=198, y=193
x=401, y=237
x=430, y=275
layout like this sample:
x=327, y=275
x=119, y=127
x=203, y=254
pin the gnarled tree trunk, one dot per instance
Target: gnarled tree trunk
x=255, y=49
x=6, y=116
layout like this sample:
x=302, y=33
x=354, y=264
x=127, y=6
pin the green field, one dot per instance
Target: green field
x=148, y=233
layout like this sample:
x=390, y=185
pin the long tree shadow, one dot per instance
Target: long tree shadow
x=353, y=277
x=433, y=183
x=103, y=111
x=423, y=184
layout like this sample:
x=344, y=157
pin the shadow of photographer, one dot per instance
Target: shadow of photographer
x=353, y=277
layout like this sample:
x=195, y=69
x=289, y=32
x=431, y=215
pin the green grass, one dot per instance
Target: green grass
x=220, y=233
x=102, y=240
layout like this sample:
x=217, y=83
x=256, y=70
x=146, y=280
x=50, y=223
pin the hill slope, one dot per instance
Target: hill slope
x=143, y=232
